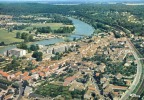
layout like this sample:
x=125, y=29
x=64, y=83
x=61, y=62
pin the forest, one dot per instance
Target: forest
x=104, y=17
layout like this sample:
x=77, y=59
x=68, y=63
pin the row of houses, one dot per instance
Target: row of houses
x=59, y=48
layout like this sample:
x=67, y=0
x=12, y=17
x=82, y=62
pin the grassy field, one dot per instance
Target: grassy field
x=8, y=37
x=52, y=25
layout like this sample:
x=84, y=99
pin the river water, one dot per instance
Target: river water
x=81, y=29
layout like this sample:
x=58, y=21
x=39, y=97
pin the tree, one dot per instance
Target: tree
x=37, y=55
x=44, y=29
x=18, y=35
x=74, y=39
x=12, y=66
x=34, y=47
x=25, y=83
x=31, y=38
x=22, y=46
x=2, y=43
x=53, y=51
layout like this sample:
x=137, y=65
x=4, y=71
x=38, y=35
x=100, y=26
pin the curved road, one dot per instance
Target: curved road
x=138, y=74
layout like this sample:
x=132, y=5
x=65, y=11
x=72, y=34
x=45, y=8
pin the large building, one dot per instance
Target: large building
x=16, y=52
x=58, y=48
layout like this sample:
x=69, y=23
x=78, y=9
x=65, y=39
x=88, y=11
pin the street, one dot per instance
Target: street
x=137, y=77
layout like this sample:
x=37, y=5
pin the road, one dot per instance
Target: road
x=96, y=86
x=137, y=77
x=20, y=91
x=140, y=89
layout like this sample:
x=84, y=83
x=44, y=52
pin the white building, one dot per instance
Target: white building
x=27, y=91
x=58, y=48
x=16, y=52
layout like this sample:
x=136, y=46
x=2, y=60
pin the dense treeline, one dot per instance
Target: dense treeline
x=60, y=30
x=20, y=27
x=42, y=18
x=49, y=90
x=64, y=30
x=44, y=29
x=117, y=16
x=100, y=16
x=26, y=36
x=57, y=18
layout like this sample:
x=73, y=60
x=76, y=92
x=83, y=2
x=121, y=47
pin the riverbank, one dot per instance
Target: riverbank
x=81, y=29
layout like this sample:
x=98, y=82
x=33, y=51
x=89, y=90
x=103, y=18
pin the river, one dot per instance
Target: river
x=81, y=29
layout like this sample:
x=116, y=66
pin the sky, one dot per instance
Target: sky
x=78, y=0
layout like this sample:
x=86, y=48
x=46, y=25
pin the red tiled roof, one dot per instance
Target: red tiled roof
x=4, y=74
x=70, y=79
x=25, y=73
x=91, y=88
x=66, y=83
x=18, y=73
x=46, y=70
x=116, y=93
x=97, y=74
x=119, y=87
x=1, y=71
x=40, y=67
x=27, y=78
x=41, y=74
x=55, y=67
x=8, y=97
x=33, y=71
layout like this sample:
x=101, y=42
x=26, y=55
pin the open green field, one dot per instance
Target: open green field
x=53, y=26
x=8, y=37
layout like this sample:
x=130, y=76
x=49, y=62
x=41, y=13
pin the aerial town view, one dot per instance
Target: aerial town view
x=71, y=50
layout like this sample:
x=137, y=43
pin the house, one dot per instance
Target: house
x=105, y=84
x=25, y=74
x=41, y=74
x=68, y=80
x=107, y=89
x=33, y=71
x=18, y=75
x=27, y=78
x=92, y=88
x=128, y=82
x=35, y=76
x=76, y=85
x=127, y=64
x=119, y=76
x=27, y=91
x=87, y=96
x=119, y=87
x=102, y=67
x=4, y=74
x=55, y=67
x=103, y=80
x=97, y=74
x=8, y=97
x=83, y=68
x=58, y=48
x=15, y=52
x=12, y=77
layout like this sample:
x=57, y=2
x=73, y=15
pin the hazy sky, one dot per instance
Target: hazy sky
x=76, y=0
